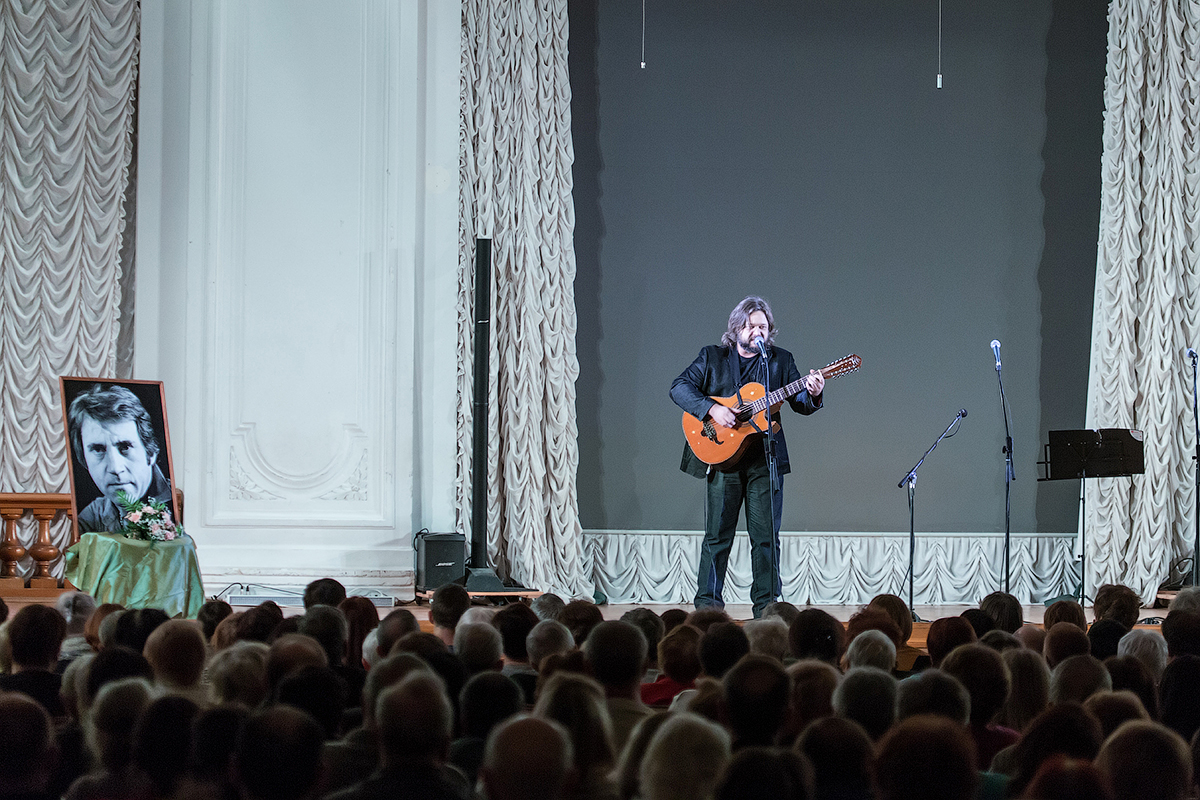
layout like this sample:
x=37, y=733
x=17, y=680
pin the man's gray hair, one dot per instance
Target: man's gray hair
x=239, y=673
x=1148, y=647
x=547, y=606
x=1188, y=599
x=768, y=636
x=684, y=759
x=479, y=646
x=547, y=638
x=933, y=692
x=872, y=648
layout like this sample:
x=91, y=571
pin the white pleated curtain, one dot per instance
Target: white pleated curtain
x=1145, y=313
x=515, y=164
x=67, y=80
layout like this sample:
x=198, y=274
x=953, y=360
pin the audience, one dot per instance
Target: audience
x=616, y=654
x=867, y=696
x=1005, y=610
x=35, y=634
x=816, y=634
x=945, y=634
x=1064, y=640
x=448, y=605
x=1119, y=603
x=527, y=758
x=1148, y=647
x=679, y=666
x=1078, y=678
x=841, y=754
x=986, y=678
x=926, y=757
x=685, y=759
x=1065, y=611
x=1143, y=760
x=27, y=748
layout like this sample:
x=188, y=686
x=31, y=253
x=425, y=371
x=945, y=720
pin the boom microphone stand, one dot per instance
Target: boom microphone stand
x=772, y=471
x=1191, y=353
x=1009, y=474
x=910, y=480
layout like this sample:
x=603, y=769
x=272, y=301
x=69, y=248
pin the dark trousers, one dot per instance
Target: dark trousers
x=727, y=493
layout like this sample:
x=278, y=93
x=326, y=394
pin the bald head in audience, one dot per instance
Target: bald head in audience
x=527, y=758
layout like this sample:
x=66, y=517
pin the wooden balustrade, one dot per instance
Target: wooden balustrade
x=45, y=508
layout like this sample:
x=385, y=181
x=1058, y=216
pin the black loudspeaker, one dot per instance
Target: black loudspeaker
x=440, y=559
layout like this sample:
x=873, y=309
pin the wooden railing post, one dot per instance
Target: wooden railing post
x=43, y=552
x=11, y=550
x=44, y=507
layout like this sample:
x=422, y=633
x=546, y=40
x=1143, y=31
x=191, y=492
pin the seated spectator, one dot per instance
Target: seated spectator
x=685, y=759
x=1000, y=640
x=841, y=755
x=214, y=735
x=679, y=662
x=527, y=758
x=1062, y=778
x=757, y=772
x=318, y=691
x=1179, y=696
x=110, y=732
x=616, y=654
x=176, y=652
x=673, y=618
x=933, y=692
x=225, y=634
x=112, y=664
x=1113, y=709
x=982, y=671
x=488, y=699
x=1148, y=647
x=76, y=609
x=449, y=603
x=1128, y=673
x=909, y=659
x=816, y=634
x=1119, y=603
x=324, y=591
x=873, y=618
x=768, y=636
x=813, y=685
x=547, y=638
x=479, y=647
x=291, y=652
x=722, y=646
x=91, y=631
x=1065, y=611
x=1181, y=629
x=35, y=634
x=210, y=615
x=979, y=620
x=362, y=617
x=1029, y=688
x=515, y=622
x=867, y=696
x=1187, y=599
x=396, y=625
x=1005, y=610
x=255, y=624
x=162, y=742
x=757, y=701
x=1146, y=761
x=27, y=744
x=705, y=618
x=580, y=617
x=945, y=634
x=547, y=606
x=278, y=755
x=1105, y=636
x=479, y=614
x=782, y=610
x=1077, y=678
x=1032, y=637
x=651, y=626
x=577, y=703
x=871, y=648
x=1064, y=640
x=1065, y=729
x=238, y=674
x=629, y=765
x=329, y=626
x=133, y=627
x=928, y=758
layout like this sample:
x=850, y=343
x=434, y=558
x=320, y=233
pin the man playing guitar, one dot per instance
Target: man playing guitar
x=746, y=355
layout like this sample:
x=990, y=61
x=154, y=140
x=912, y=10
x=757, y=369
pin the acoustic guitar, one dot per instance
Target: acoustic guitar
x=720, y=446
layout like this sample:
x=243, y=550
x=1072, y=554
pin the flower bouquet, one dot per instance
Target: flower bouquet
x=149, y=520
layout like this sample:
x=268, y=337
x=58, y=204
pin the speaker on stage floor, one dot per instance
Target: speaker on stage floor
x=440, y=559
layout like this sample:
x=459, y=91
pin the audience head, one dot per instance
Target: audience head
x=982, y=671
x=705, y=618
x=1188, y=599
x=722, y=646
x=1179, y=696
x=873, y=618
x=757, y=772
x=547, y=606
x=816, y=634
x=479, y=646
x=133, y=627
x=481, y=614
x=577, y=703
x=225, y=634
x=176, y=653
x=926, y=757
x=35, y=634
x=210, y=615
x=1005, y=610
x=27, y=744
x=781, y=609
x=238, y=674
x=1105, y=636
x=871, y=648
x=486, y=700
x=672, y=618
x=867, y=696
x=324, y=592
x=979, y=621
x=813, y=685
x=1146, y=761
x=362, y=617
x=328, y=626
x=945, y=634
x=319, y=691
x=933, y=692
x=76, y=609
x=651, y=626
x=1000, y=640
x=685, y=759
x=450, y=601
x=1066, y=729
x=1119, y=603
x=1077, y=678
x=1148, y=647
x=1113, y=709
x=91, y=630
x=1065, y=611
x=841, y=753
x=1062, y=778
x=1032, y=637
x=278, y=755
x=392, y=628
x=679, y=654
x=388, y=672
x=1030, y=688
x=515, y=621
x=1181, y=629
x=291, y=652
x=527, y=758
x=112, y=664
x=255, y=624
x=768, y=636
x=74, y=685
x=113, y=718
x=616, y=653
x=1128, y=673
x=547, y=638
x=580, y=616
x=162, y=741
x=898, y=610
x=757, y=700
x=629, y=765
x=415, y=721
x=1064, y=640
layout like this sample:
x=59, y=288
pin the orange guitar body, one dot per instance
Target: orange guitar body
x=720, y=446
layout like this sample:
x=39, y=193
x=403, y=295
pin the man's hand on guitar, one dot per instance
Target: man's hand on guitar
x=814, y=382
x=723, y=416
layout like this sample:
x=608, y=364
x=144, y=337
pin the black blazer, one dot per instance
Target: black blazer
x=715, y=373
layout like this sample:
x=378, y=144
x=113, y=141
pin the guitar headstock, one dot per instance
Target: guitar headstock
x=842, y=366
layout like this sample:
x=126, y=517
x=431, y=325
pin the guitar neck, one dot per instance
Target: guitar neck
x=779, y=395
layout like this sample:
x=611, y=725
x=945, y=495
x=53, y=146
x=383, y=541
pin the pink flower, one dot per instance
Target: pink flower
x=169, y=535
x=133, y=516
x=147, y=509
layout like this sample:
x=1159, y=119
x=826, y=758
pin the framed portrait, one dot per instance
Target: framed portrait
x=118, y=441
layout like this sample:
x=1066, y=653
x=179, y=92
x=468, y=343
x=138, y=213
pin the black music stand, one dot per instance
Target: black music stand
x=1083, y=454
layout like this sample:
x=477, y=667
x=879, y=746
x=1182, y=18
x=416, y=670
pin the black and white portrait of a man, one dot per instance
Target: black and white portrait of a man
x=118, y=441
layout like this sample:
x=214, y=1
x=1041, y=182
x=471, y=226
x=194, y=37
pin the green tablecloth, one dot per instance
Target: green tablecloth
x=113, y=568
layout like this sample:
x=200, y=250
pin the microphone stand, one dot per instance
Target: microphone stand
x=910, y=480
x=1009, y=477
x=773, y=474
x=1196, y=419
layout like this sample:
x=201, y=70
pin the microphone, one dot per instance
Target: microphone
x=996, y=352
x=962, y=412
x=761, y=345
x=1191, y=353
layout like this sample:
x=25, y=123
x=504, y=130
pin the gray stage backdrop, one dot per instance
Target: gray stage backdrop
x=800, y=150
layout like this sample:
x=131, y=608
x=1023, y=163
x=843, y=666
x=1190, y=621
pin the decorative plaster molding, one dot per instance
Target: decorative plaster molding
x=242, y=486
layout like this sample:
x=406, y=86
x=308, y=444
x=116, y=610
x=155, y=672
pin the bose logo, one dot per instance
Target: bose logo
x=445, y=564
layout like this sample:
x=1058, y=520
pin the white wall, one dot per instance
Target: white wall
x=297, y=275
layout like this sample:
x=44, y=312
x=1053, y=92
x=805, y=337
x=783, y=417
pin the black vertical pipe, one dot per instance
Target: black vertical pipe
x=479, y=452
